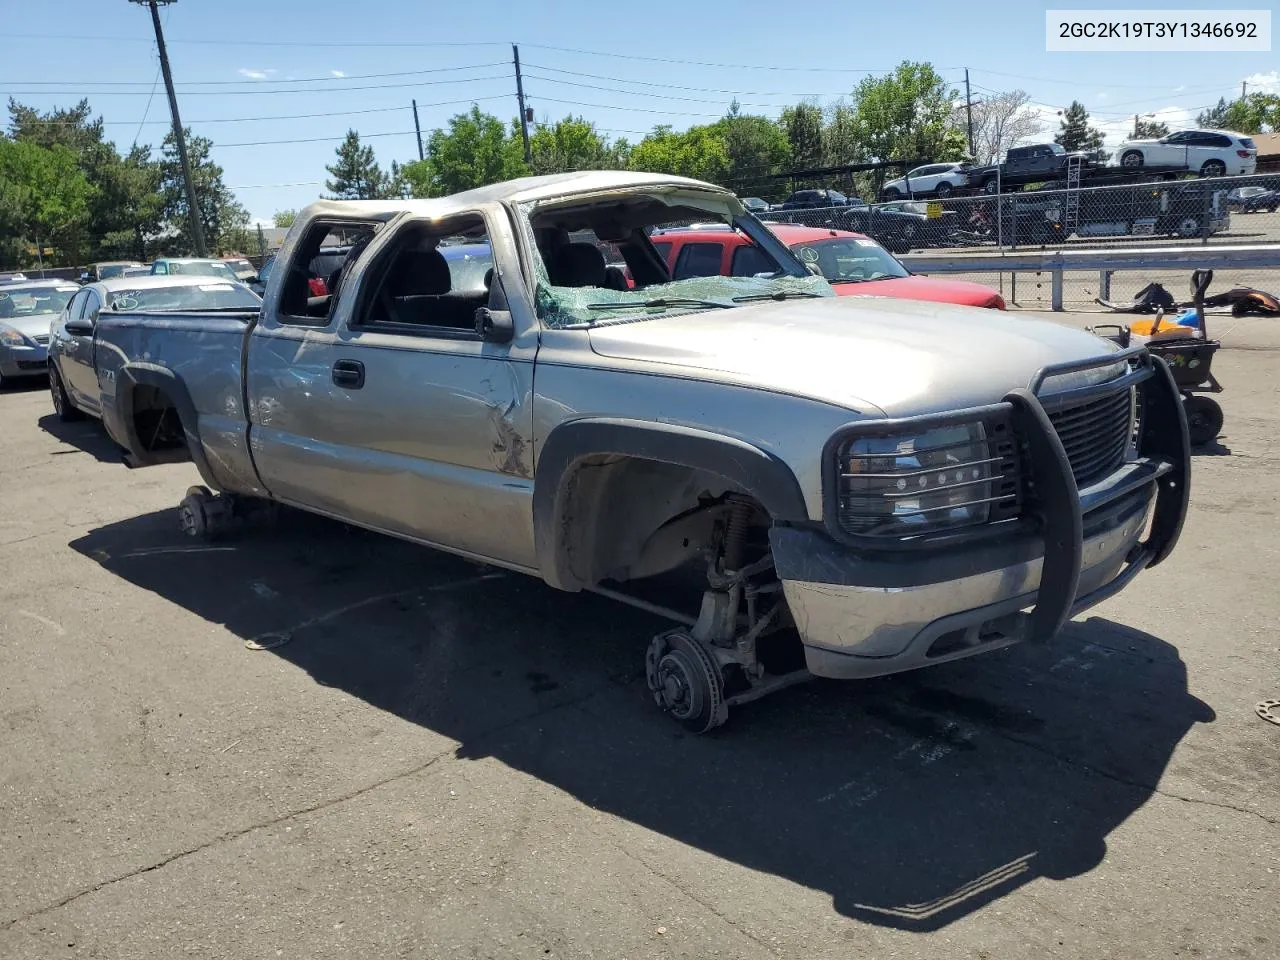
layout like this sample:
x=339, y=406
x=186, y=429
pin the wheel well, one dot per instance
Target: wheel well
x=156, y=422
x=624, y=518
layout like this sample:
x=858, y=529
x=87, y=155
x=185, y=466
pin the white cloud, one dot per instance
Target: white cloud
x=1102, y=96
x=255, y=74
x=1263, y=82
x=338, y=73
x=1180, y=88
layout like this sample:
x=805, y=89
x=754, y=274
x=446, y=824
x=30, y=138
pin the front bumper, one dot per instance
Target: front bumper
x=24, y=361
x=865, y=614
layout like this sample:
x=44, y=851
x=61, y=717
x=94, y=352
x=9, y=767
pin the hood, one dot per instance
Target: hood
x=31, y=324
x=962, y=292
x=903, y=357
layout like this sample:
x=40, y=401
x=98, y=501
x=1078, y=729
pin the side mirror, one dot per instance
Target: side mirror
x=494, y=326
x=79, y=327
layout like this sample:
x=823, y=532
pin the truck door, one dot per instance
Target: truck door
x=392, y=411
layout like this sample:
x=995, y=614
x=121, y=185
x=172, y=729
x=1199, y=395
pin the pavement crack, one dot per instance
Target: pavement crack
x=236, y=834
x=709, y=907
x=223, y=838
x=1108, y=775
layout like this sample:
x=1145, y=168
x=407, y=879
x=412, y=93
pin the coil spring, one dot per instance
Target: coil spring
x=735, y=535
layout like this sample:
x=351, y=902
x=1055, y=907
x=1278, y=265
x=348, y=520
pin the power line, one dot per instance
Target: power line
x=676, y=86
x=266, y=43
x=730, y=66
x=79, y=84
x=606, y=106
x=645, y=93
x=258, y=93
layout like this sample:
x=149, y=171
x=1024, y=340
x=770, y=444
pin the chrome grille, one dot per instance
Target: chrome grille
x=1096, y=435
x=42, y=339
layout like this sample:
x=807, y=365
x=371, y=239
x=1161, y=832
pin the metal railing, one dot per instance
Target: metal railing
x=1241, y=264
x=1159, y=212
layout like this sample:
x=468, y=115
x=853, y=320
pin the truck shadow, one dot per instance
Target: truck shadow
x=912, y=801
x=87, y=436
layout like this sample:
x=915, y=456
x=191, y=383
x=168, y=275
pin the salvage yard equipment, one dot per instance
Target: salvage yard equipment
x=1188, y=352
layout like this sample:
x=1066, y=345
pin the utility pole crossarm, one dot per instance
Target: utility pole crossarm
x=193, y=209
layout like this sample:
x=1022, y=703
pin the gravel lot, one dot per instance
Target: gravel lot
x=446, y=761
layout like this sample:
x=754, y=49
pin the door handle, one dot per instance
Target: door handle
x=348, y=374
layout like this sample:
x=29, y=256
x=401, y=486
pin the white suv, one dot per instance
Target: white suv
x=932, y=178
x=1211, y=153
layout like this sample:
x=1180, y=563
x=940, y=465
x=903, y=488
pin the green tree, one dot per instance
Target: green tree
x=356, y=174
x=284, y=218
x=1215, y=117
x=1075, y=133
x=130, y=188
x=698, y=152
x=1150, y=129
x=474, y=150
x=220, y=214
x=44, y=196
x=570, y=144
x=1255, y=113
x=124, y=208
x=803, y=126
x=906, y=115
x=757, y=148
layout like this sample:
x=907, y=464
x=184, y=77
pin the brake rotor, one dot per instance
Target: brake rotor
x=1269, y=710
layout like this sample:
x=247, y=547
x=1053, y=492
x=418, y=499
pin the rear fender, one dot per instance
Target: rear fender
x=121, y=425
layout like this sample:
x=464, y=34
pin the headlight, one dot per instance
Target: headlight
x=936, y=479
x=12, y=338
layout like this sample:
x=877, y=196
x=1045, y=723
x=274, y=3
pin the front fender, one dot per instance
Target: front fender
x=759, y=474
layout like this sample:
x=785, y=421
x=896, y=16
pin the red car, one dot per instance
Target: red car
x=855, y=265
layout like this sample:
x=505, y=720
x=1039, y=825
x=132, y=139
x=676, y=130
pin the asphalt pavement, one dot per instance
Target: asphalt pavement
x=445, y=760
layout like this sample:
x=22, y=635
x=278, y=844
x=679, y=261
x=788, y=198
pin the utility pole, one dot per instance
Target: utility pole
x=197, y=232
x=1135, y=126
x=1244, y=85
x=417, y=129
x=524, y=114
x=968, y=107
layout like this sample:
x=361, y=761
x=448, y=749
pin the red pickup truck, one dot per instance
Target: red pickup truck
x=855, y=265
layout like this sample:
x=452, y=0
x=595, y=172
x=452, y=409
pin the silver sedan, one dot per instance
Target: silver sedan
x=27, y=308
x=73, y=373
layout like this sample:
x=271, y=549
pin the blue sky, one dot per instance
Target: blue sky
x=244, y=69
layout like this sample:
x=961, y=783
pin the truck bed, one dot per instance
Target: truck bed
x=195, y=362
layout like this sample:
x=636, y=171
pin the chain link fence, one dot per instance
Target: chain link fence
x=1171, y=212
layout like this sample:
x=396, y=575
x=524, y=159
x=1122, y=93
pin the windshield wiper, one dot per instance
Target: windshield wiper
x=660, y=302
x=780, y=295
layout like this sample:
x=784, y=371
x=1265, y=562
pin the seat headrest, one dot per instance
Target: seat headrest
x=420, y=273
x=577, y=265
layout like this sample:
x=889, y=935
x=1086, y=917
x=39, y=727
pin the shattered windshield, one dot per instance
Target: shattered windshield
x=597, y=263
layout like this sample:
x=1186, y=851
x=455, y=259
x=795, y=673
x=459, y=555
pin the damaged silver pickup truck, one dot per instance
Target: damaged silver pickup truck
x=804, y=484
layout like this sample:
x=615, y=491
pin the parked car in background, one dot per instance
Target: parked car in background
x=931, y=180
x=1253, y=199
x=26, y=310
x=815, y=200
x=192, y=267
x=1211, y=153
x=900, y=226
x=755, y=204
x=1033, y=163
x=74, y=358
x=107, y=269
x=854, y=264
x=242, y=268
x=12, y=277
x=140, y=270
